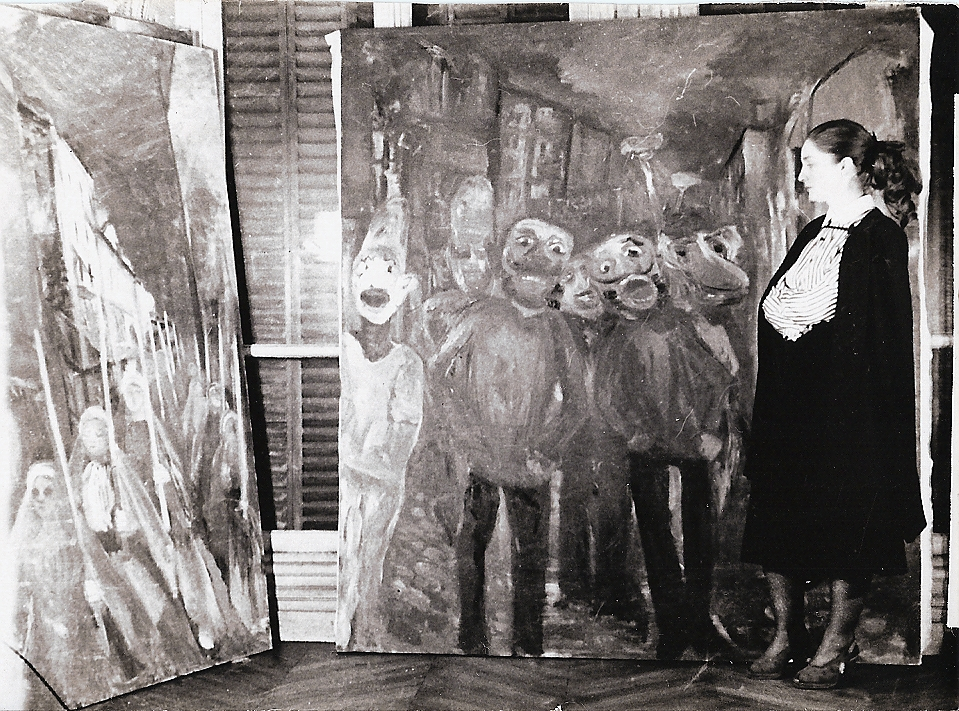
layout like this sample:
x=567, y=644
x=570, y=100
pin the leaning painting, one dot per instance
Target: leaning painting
x=135, y=530
x=555, y=241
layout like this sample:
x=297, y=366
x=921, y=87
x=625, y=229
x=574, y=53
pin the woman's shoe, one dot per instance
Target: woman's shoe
x=769, y=667
x=828, y=675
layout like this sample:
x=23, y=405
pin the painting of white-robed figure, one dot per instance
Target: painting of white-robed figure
x=134, y=533
x=556, y=237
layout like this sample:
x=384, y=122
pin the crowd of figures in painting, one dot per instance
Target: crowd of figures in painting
x=556, y=242
x=558, y=379
x=138, y=551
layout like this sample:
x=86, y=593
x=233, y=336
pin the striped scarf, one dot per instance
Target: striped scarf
x=806, y=294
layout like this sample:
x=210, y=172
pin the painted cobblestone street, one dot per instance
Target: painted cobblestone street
x=420, y=606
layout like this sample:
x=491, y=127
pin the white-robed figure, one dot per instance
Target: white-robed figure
x=55, y=627
x=130, y=574
x=381, y=409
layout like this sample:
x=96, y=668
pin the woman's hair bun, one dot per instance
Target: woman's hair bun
x=882, y=165
x=896, y=177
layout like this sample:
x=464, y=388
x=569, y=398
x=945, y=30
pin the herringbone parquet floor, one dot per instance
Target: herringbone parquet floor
x=314, y=676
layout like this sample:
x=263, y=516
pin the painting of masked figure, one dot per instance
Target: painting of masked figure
x=135, y=531
x=556, y=238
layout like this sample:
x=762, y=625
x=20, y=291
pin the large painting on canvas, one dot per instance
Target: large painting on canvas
x=555, y=240
x=135, y=530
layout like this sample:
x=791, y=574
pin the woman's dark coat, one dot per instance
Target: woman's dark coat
x=832, y=452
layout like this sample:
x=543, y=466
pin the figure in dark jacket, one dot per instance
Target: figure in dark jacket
x=661, y=385
x=513, y=383
x=420, y=579
x=596, y=511
x=832, y=460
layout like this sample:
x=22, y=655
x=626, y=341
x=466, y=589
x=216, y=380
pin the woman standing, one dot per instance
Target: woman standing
x=832, y=458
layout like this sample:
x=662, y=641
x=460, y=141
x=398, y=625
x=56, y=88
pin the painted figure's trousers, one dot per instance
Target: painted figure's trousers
x=680, y=591
x=528, y=512
x=595, y=527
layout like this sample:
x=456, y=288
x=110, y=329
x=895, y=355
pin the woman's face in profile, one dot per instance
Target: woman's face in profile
x=821, y=173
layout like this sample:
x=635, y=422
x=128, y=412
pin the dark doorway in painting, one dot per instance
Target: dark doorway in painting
x=135, y=534
x=555, y=240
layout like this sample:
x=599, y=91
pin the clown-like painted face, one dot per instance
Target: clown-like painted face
x=379, y=281
x=578, y=295
x=379, y=285
x=707, y=263
x=534, y=255
x=624, y=269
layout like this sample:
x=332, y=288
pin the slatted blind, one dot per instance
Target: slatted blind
x=276, y=378
x=316, y=168
x=320, y=387
x=254, y=47
x=283, y=141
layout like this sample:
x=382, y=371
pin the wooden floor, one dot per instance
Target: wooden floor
x=314, y=676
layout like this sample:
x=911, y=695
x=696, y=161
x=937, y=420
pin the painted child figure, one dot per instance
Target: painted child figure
x=595, y=507
x=381, y=409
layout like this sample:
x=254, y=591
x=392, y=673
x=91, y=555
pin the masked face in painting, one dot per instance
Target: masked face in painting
x=578, y=295
x=379, y=286
x=471, y=268
x=94, y=434
x=706, y=265
x=471, y=225
x=379, y=281
x=534, y=256
x=624, y=269
x=135, y=395
x=40, y=492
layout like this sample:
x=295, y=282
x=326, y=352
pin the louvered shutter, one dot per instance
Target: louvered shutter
x=278, y=435
x=283, y=143
x=320, y=380
x=316, y=169
x=254, y=48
